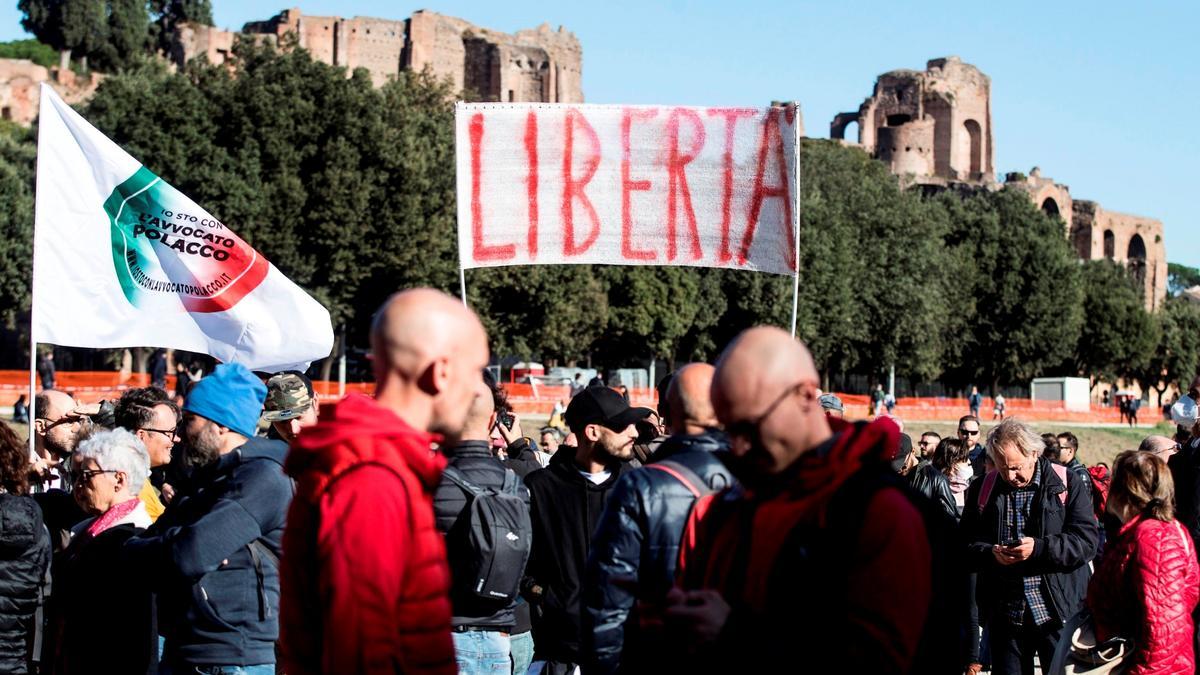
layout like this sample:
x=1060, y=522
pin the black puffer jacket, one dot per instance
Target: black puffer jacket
x=926, y=479
x=565, y=510
x=639, y=536
x=1065, y=536
x=24, y=557
x=474, y=459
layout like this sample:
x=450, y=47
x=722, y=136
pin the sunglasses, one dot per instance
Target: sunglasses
x=969, y=432
x=748, y=429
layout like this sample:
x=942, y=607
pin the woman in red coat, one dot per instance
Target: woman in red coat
x=1149, y=581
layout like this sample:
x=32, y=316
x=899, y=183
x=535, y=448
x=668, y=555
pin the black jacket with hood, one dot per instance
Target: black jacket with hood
x=566, y=507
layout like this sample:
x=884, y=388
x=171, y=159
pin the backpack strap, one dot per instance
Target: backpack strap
x=985, y=490
x=1061, y=472
x=455, y=476
x=258, y=551
x=690, y=479
x=510, y=483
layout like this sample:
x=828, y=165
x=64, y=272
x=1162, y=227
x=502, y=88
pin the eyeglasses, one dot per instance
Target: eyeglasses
x=748, y=429
x=65, y=419
x=87, y=474
x=171, y=434
x=969, y=432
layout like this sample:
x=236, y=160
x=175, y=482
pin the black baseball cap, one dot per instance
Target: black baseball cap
x=601, y=405
x=903, y=450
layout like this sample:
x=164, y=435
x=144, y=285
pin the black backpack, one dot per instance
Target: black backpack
x=489, y=544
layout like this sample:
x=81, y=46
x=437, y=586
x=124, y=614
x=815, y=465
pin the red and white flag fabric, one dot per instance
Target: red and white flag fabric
x=546, y=184
x=122, y=258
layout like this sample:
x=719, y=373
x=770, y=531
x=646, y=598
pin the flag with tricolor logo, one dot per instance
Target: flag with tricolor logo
x=122, y=258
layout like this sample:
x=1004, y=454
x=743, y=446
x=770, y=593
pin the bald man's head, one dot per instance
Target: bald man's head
x=429, y=353
x=689, y=400
x=1159, y=445
x=765, y=393
x=478, y=425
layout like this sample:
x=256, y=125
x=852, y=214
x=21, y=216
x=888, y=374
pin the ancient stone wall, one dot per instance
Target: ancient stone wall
x=539, y=64
x=947, y=107
x=20, y=88
x=1135, y=241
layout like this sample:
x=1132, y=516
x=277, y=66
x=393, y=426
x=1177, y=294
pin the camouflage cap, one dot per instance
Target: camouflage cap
x=289, y=395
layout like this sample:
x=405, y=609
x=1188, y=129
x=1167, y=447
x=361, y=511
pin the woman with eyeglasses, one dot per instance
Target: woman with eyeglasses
x=24, y=554
x=102, y=614
x=1148, y=583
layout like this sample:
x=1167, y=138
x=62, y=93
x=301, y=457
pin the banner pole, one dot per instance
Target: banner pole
x=796, y=224
x=462, y=284
x=32, y=406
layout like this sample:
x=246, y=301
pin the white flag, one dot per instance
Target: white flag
x=122, y=259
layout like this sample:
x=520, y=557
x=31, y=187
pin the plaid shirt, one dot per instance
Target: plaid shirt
x=1016, y=514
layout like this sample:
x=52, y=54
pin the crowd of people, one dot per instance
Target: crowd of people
x=743, y=525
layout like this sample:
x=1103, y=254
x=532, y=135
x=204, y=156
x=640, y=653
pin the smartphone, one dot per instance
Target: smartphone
x=506, y=418
x=1011, y=543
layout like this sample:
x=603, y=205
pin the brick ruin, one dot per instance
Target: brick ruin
x=539, y=64
x=21, y=79
x=934, y=128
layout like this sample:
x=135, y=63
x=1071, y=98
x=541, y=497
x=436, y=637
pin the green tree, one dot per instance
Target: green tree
x=1025, y=282
x=41, y=54
x=16, y=223
x=1181, y=277
x=113, y=32
x=1118, y=336
x=1175, y=359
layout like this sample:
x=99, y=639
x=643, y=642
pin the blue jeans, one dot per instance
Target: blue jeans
x=480, y=652
x=522, y=652
x=182, y=669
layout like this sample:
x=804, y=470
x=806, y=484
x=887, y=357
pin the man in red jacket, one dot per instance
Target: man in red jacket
x=365, y=583
x=818, y=561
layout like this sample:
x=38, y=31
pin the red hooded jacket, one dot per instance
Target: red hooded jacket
x=1145, y=590
x=365, y=583
x=853, y=596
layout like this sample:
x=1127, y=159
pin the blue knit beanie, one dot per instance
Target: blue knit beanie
x=232, y=397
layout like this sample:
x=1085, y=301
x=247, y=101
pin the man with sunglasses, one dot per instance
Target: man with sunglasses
x=148, y=413
x=970, y=435
x=819, y=557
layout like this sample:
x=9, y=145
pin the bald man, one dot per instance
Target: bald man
x=819, y=557
x=365, y=582
x=56, y=429
x=636, y=546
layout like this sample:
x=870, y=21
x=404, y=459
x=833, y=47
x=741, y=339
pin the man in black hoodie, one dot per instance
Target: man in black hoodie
x=481, y=627
x=567, y=498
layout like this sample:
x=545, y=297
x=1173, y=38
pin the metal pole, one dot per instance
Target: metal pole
x=462, y=284
x=342, y=364
x=892, y=380
x=796, y=226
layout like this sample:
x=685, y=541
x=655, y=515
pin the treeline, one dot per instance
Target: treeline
x=110, y=35
x=349, y=190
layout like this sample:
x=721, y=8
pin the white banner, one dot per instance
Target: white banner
x=544, y=184
x=123, y=259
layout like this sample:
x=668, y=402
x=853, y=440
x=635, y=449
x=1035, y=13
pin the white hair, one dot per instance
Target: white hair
x=119, y=450
x=1018, y=433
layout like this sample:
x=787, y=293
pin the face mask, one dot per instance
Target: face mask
x=1184, y=412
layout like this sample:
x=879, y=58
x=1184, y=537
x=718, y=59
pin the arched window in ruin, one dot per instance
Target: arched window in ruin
x=975, y=134
x=1110, y=245
x=850, y=131
x=1050, y=207
x=1137, y=259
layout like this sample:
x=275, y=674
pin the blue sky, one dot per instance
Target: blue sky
x=1099, y=95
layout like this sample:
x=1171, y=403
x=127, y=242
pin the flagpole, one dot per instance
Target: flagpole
x=796, y=225
x=33, y=287
x=462, y=284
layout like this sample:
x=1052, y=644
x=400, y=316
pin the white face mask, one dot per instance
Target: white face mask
x=1184, y=412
